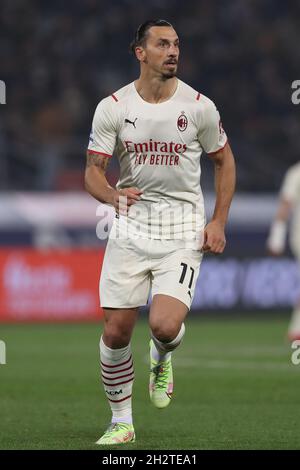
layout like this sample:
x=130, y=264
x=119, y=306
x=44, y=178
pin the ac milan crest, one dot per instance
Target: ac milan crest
x=182, y=122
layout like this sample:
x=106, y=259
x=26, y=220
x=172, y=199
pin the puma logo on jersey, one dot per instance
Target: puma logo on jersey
x=131, y=122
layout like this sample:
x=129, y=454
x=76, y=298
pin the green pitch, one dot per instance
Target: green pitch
x=235, y=388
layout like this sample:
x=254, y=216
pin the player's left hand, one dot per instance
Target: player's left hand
x=214, y=238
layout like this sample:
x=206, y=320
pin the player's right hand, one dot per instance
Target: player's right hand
x=124, y=198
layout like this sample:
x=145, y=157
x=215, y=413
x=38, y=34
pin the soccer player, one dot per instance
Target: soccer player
x=289, y=201
x=157, y=127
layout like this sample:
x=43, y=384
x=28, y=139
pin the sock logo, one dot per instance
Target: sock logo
x=114, y=392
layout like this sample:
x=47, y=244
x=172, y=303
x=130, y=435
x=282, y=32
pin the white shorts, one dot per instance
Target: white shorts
x=131, y=268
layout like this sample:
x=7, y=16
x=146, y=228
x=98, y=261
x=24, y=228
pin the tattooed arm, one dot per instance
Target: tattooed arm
x=97, y=185
x=95, y=181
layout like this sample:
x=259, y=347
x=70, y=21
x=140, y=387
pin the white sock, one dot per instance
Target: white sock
x=117, y=378
x=162, y=351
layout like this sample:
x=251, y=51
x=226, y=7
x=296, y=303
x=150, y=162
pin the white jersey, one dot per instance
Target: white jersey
x=290, y=191
x=159, y=148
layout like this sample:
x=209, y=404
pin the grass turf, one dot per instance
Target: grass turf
x=235, y=388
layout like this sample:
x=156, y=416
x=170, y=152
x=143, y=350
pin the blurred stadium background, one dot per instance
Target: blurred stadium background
x=58, y=59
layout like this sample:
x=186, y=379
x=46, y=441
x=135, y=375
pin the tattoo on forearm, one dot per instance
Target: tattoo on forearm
x=97, y=160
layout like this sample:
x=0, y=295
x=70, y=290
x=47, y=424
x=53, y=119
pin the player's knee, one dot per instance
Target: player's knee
x=165, y=331
x=115, y=337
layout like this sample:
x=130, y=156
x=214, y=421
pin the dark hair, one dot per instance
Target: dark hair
x=141, y=33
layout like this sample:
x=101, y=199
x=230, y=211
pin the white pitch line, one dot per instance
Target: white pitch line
x=244, y=350
x=233, y=364
x=197, y=363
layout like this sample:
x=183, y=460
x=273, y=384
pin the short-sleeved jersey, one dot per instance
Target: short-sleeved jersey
x=290, y=190
x=159, y=148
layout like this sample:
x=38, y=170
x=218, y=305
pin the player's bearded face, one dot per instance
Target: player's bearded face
x=162, y=51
